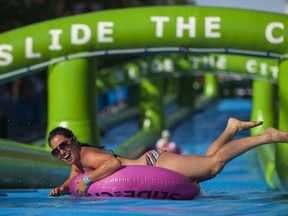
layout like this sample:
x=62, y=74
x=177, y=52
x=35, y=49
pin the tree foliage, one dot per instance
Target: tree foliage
x=17, y=13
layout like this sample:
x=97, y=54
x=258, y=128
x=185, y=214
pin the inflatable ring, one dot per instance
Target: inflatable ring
x=142, y=182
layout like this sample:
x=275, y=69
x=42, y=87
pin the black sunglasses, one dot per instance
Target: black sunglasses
x=62, y=146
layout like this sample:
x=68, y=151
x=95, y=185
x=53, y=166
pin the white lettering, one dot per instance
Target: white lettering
x=159, y=24
x=195, y=62
x=269, y=32
x=104, y=29
x=251, y=66
x=181, y=26
x=76, y=29
x=55, y=45
x=168, y=65
x=263, y=68
x=156, y=66
x=209, y=62
x=132, y=72
x=221, y=62
x=29, y=49
x=212, y=23
x=5, y=57
x=206, y=61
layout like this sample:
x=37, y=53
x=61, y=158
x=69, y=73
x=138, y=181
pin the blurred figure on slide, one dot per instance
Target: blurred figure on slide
x=165, y=144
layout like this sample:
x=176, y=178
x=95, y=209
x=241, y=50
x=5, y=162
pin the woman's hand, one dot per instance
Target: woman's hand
x=59, y=191
x=82, y=187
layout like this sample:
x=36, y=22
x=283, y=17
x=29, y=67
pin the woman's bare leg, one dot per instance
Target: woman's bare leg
x=207, y=167
x=235, y=148
x=233, y=127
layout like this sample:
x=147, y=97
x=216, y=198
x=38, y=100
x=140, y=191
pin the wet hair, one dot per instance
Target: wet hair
x=66, y=133
x=60, y=131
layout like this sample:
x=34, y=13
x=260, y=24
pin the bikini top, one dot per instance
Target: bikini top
x=113, y=153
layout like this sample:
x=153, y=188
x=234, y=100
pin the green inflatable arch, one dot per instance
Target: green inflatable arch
x=143, y=30
x=175, y=65
x=63, y=44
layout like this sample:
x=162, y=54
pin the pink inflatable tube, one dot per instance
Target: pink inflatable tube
x=142, y=182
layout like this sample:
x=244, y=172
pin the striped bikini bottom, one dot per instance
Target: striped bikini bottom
x=152, y=156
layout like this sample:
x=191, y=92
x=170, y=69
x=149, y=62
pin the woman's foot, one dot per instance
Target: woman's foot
x=235, y=125
x=276, y=136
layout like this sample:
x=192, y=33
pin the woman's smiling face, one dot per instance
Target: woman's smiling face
x=64, y=148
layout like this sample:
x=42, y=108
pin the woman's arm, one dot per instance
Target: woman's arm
x=64, y=188
x=105, y=169
x=100, y=164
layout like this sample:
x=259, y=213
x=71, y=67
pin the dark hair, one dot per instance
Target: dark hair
x=60, y=131
x=66, y=133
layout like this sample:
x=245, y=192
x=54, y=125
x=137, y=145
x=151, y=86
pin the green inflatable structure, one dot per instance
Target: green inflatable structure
x=176, y=65
x=67, y=46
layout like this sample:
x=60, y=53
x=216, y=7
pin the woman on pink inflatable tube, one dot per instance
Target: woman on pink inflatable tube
x=100, y=163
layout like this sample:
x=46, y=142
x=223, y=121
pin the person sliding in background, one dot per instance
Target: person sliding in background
x=165, y=144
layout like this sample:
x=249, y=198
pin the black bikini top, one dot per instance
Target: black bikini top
x=113, y=153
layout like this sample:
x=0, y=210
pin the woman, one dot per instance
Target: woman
x=100, y=163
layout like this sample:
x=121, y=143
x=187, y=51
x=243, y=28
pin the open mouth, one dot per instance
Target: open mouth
x=66, y=156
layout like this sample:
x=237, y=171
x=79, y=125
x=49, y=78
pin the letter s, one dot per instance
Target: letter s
x=6, y=58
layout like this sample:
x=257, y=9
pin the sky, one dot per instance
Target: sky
x=263, y=5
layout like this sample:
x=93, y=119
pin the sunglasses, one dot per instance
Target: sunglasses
x=62, y=146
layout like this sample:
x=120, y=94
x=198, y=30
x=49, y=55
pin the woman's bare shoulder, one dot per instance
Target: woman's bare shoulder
x=90, y=151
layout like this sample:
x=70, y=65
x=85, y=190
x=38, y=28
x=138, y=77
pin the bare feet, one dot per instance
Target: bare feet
x=235, y=125
x=277, y=136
